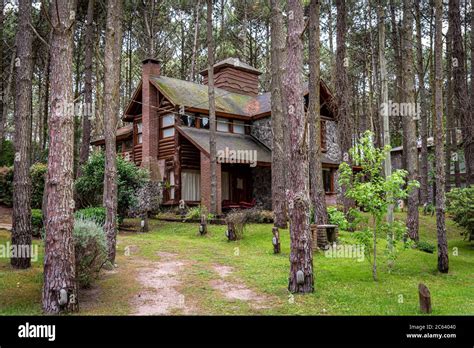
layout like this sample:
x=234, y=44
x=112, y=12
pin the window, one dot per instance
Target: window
x=139, y=132
x=191, y=185
x=239, y=127
x=188, y=120
x=222, y=125
x=167, y=126
x=204, y=121
x=168, y=120
x=171, y=176
x=168, y=132
x=327, y=180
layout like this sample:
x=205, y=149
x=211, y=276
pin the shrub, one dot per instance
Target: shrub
x=7, y=154
x=6, y=186
x=38, y=175
x=426, y=247
x=460, y=204
x=90, y=185
x=240, y=219
x=194, y=213
x=256, y=215
x=90, y=250
x=96, y=214
x=337, y=217
x=37, y=222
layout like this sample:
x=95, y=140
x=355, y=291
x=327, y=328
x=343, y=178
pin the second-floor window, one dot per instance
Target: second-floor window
x=238, y=127
x=167, y=126
x=139, y=133
x=222, y=125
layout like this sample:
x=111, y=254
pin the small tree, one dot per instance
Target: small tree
x=369, y=188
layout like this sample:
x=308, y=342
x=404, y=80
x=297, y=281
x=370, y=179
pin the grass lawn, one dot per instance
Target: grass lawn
x=343, y=286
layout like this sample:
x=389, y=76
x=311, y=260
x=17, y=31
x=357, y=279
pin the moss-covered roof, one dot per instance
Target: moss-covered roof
x=194, y=95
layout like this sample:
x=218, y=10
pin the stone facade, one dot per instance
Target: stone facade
x=333, y=152
x=262, y=187
x=263, y=131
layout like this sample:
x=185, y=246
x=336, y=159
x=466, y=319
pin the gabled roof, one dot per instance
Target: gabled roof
x=195, y=95
x=200, y=139
x=122, y=133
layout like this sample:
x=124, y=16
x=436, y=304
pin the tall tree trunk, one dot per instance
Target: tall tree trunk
x=6, y=98
x=2, y=75
x=195, y=41
x=301, y=255
x=278, y=145
x=443, y=263
x=60, y=288
x=86, y=123
x=472, y=62
x=21, y=233
x=344, y=118
x=212, y=108
x=113, y=48
x=317, y=194
x=384, y=95
x=411, y=148
x=423, y=109
x=461, y=99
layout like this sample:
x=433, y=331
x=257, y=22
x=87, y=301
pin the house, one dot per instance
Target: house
x=396, y=155
x=168, y=133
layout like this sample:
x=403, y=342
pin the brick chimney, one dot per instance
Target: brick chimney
x=150, y=124
x=234, y=75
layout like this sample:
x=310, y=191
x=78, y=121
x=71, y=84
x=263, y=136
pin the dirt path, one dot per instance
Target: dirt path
x=160, y=281
x=235, y=289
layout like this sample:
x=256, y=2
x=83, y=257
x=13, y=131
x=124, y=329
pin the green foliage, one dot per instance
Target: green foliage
x=6, y=186
x=90, y=250
x=37, y=222
x=425, y=246
x=370, y=190
x=337, y=217
x=38, y=176
x=96, y=214
x=7, y=154
x=460, y=205
x=195, y=213
x=90, y=185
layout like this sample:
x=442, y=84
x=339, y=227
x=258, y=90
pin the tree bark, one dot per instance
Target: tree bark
x=195, y=41
x=86, y=123
x=212, y=109
x=443, y=263
x=113, y=48
x=301, y=255
x=21, y=232
x=278, y=145
x=344, y=119
x=59, y=260
x=317, y=194
x=422, y=110
x=411, y=148
x=461, y=99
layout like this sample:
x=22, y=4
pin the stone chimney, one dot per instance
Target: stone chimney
x=234, y=75
x=150, y=124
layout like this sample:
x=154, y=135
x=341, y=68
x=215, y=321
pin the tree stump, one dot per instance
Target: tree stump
x=203, y=225
x=231, y=231
x=276, y=240
x=425, y=298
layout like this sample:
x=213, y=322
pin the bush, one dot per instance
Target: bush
x=240, y=219
x=426, y=247
x=460, y=204
x=7, y=154
x=194, y=213
x=255, y=215
x=90, y=186
x=6, y=186
x=38, y=176
x=337, y=217
x=96, y=214
x=90, y=250
x=37, y=222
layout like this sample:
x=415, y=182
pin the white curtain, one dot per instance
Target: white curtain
x=191, y=185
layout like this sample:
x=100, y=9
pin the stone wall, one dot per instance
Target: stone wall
x=333, y=152
x=262, y=187
x=262, y=131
